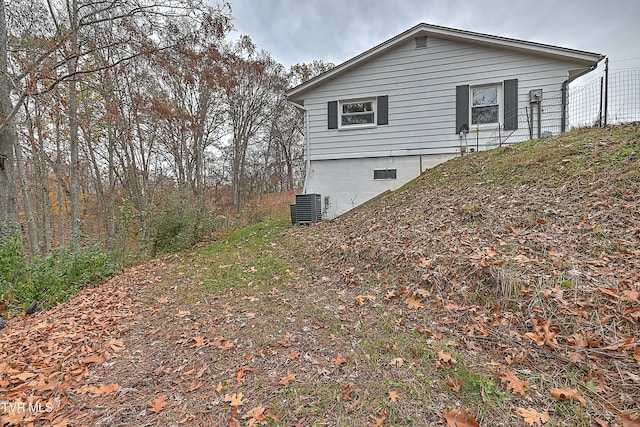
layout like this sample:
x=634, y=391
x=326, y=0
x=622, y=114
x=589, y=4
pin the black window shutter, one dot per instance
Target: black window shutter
x=511, y=104
x=332, y=108
x=383, y=110
x=462, y=108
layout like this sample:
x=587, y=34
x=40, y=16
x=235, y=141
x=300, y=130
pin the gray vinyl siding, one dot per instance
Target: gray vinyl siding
x=421, y=86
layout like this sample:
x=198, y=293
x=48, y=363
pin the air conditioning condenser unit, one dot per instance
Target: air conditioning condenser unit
x=308, y=208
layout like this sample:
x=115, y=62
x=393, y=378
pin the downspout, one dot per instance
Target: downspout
x=565, y=89
x=307, y=139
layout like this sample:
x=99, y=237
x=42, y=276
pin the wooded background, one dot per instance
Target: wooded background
x=116, y=112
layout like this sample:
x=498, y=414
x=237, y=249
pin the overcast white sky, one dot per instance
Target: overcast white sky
x=336, y=30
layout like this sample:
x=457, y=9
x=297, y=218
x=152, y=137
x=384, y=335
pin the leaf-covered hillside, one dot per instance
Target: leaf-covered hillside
x=524, y=259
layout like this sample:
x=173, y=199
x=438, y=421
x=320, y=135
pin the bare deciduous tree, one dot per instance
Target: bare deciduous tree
x=8, y=138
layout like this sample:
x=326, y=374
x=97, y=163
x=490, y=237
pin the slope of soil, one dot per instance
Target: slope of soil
x=498, y=289
x=525, y=259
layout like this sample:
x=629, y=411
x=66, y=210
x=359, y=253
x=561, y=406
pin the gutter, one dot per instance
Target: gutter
x=307, y=138
x=565, y=88
x=457, y=35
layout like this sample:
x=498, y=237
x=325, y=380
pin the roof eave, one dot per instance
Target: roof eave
x=581, y=58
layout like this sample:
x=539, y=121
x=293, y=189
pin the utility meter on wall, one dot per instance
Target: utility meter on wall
x=535, y=95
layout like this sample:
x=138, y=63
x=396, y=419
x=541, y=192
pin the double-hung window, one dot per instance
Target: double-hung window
x=356, y=113
x=361, y=112
x=485, y=105
x=488, y=104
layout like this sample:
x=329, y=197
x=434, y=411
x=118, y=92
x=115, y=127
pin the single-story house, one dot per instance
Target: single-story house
x=380, y=119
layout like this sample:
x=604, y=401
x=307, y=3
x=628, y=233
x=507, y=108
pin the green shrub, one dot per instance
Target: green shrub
x=55, y=278
x=13, y=270
x=130, y=244
x=179, y=225
x=60, y=275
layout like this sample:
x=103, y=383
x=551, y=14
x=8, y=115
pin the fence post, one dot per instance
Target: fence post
x=563, y=119
x=606, y=89
x=600, y=123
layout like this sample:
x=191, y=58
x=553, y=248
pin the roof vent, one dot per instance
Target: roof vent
x=421, y=41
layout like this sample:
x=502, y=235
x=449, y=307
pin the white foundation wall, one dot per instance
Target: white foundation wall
x=349, y=182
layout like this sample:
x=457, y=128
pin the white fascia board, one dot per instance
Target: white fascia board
x=586, y=59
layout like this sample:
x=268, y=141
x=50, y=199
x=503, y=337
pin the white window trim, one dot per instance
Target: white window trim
x=374, y=110
x=500, y=96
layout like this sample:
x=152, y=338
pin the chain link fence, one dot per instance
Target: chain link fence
x=536, y=119
x=605, y=101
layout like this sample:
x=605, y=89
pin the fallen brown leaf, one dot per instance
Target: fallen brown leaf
x=454, y=384
x=513, y=382
x=24, y=376
x=446, y=359
x=234, y=399
x=158, y=404
x=397, y=362
x=533, y=417
x=360, y=299
x=631, y=295
x=378, y=421
x=255, y=413
x=199, y=341
x=241, y=372
x=202, y=370
x=116, y=345
x=627, y=421
x=567, y=394
x=340, y=359
x=98, y=359
x=414, y=302
x=103, y=389
x=459, y=418
x=285, y=380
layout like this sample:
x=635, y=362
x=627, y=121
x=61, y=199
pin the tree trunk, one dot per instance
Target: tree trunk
x=286, y=152
x=94, y=166
x=8, y=137
x=26, y=200
x=36, y=220
x=111, y=208
x=72, y=67
x=237, y=170
x=60, y=180
x=44, y=205
x=203, y=107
